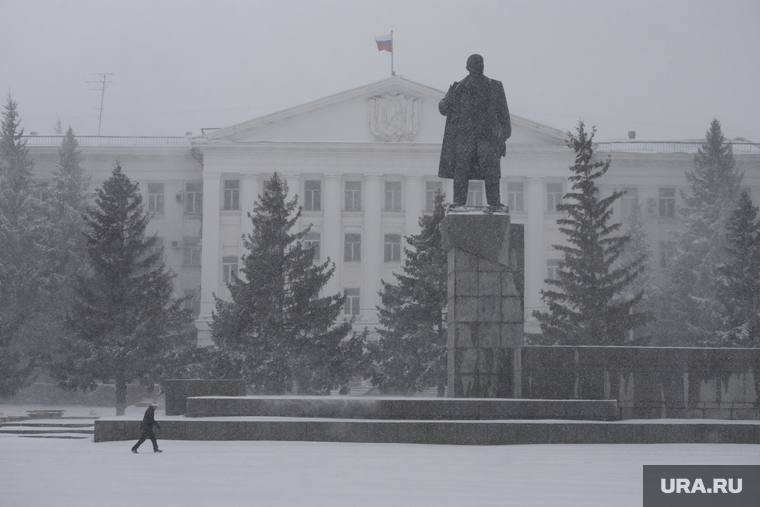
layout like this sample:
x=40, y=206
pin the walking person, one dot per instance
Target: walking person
x=147, y=428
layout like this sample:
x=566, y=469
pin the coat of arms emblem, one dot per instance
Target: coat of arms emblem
x=394, y=117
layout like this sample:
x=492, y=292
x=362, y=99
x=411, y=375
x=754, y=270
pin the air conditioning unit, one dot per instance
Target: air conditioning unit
x=176, y=245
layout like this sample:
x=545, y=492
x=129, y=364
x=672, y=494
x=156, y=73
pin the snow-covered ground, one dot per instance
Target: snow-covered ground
x=38, y=472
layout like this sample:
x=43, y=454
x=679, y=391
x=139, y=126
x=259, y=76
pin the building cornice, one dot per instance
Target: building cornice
x=110, y=141
x=346, y=147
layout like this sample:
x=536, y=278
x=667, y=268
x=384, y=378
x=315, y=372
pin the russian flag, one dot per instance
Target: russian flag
x=384, y=43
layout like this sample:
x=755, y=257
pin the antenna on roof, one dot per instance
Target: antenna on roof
x=102, y=82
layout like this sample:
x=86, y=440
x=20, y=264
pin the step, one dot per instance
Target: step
x=44, y=430
x=387, y=408
x=62, y=436
x=26, y=424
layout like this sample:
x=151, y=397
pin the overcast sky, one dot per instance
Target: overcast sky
x=663, y=68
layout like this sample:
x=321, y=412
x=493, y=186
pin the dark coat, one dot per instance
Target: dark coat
x=499, y=127
x=149, y=420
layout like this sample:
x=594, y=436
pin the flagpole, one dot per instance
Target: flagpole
x=392, y=48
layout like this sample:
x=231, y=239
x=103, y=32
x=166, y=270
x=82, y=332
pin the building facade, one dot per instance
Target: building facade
x=364, y=165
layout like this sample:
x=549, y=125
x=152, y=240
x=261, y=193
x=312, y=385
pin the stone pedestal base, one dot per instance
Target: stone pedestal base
x=485, y=304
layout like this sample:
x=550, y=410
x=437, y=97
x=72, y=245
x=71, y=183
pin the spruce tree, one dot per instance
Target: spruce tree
x=587, y=308
x=738, y=284
x=636, y=248
x=411, y=353
x=689, y=307
x=22, y=251
x=276, y=331
x=123, y=313
x=67, y=205
x=65, y=244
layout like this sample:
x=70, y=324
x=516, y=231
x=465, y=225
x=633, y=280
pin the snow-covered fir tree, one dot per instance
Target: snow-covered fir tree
x=411, y=354
x=587, y=307
x=689, y=309
x=738, y=287
x=65, y=205
x=22, y=252
x=637, y=247
x=123, y=314
x=276, y=331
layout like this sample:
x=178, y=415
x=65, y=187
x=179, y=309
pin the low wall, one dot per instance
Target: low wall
x=345, y=407
x=648, y=382
x=177, y=391
x=435, y=432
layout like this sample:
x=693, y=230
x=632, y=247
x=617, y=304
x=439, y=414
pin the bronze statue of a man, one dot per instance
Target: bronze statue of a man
x=477, y=128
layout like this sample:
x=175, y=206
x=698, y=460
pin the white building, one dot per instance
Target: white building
x=364, y=164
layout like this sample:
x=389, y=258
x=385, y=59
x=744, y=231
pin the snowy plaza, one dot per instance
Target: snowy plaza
x=37, y=472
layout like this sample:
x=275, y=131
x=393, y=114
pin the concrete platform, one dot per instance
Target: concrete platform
x=505, y=432
x=428, y=409
x=462, y=421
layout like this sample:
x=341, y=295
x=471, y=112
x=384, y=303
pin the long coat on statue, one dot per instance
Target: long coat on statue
x=465, y=126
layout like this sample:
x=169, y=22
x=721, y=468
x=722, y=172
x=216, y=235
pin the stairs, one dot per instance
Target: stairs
x=76, y=428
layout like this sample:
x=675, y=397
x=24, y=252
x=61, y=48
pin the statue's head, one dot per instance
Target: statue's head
x=475, y=64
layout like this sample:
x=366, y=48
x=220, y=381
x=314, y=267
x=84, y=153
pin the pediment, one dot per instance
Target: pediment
x=394, y=110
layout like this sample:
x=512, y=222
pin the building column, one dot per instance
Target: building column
x=535, y=247
x=209, y=255
x=294, y=188
x=413, y=202
x=331, y=243
x=448, y=189
x=249, y=194
x=372, y=244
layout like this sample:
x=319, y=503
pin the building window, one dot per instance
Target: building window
x=158, y=246
x=352, y=302
x=353, y=248
x=475, y=193
x=552, y=269
x=231, y=194
x=155, y=197
x=41, y=190
x=191, y=251
x=553, y=196
x=667, y=252
x=392, y=196
x=191, y=302
x=311, y=240
x=668, y=202
x=312, y=195
x=353, y=196
x=229, y=268
x=651, y=207
x=628, y=202
x=392, y=247
x=515, y=196
x=193, y=197
x=431, y=189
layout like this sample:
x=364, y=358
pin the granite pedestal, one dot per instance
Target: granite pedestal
x=485, y=303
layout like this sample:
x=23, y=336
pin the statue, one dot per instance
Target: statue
x=477, y=128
